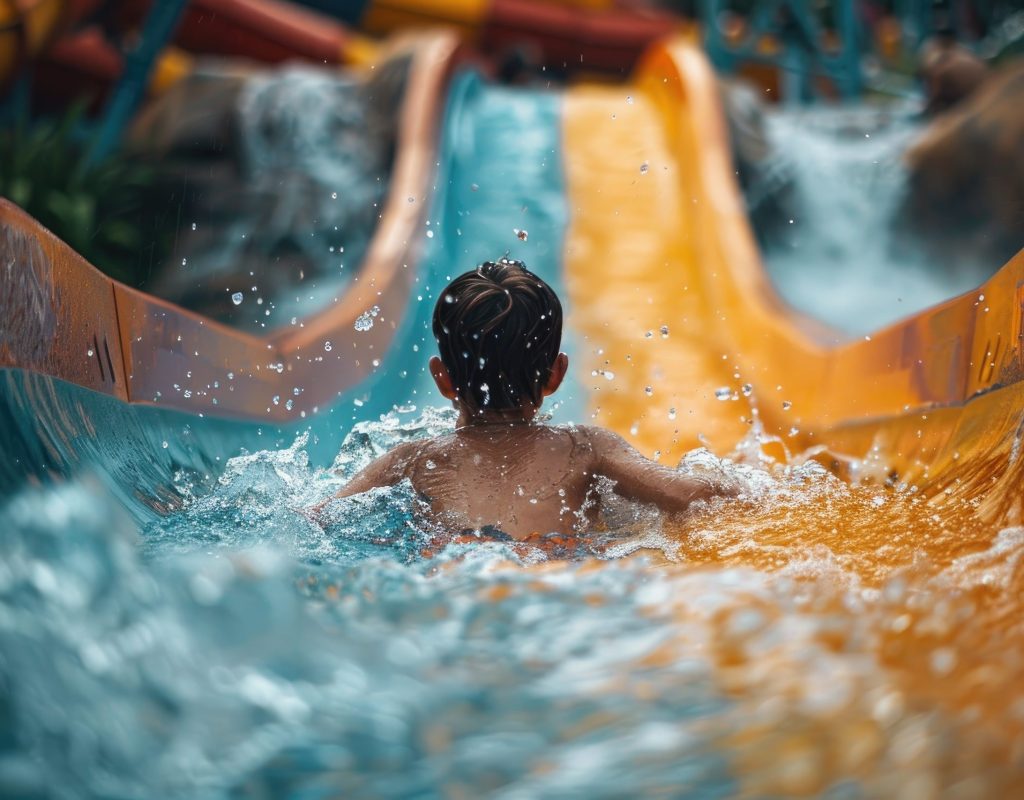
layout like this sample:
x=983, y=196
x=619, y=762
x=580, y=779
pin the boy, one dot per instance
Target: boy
x=498, y=330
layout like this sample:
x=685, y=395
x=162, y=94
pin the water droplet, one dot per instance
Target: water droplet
x=794, y=431
x=448, y=298
x=334, y=195
x=193, y=226
x=644, y=168
x=430, y=234
x=672, y=413
x=184, y=262
x=648, y=390
x=164, y=444
x=664, y=331
x=521, y=233
x=747, y=390
x=786, y=405
x=942, y=661
x=430, y=464
x=236, y=298
x=723, y=393
x=276, y=399
x=608, y=375
x=474, y=187
x=364, y=321
x=649, y=335
x=629, y=99
x=412, y=199
x=89, y=352
x=327, y=346
x=289, y=404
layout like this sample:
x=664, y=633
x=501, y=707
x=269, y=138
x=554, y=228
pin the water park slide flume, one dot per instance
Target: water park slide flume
x=664, y=290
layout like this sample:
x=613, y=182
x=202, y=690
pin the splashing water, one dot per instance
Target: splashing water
x=811, y=637
x=365, y=320
x=841, y=258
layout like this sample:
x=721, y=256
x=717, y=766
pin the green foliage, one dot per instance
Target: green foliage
x=107, y=211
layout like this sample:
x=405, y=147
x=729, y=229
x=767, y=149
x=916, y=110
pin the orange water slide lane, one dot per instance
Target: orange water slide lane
x=669, y=293
x=658, y=237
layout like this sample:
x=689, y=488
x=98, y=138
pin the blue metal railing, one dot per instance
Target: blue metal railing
x=802, y=56
x=158, y=29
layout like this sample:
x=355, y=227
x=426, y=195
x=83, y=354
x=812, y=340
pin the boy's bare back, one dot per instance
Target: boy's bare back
x=498, y=330
x=527, y=478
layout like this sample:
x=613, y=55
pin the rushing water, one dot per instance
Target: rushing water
x=810, y=637
x=841, y=258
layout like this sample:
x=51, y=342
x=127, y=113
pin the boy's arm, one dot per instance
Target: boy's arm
x=640, y=479
x=384, y=471
x=387, y=470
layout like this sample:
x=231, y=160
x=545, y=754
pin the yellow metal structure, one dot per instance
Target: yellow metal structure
x=25, y=27
x=385, y=16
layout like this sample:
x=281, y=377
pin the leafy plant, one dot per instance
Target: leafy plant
x=110, y=212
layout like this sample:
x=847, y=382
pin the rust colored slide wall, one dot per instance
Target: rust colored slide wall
x=65, y=319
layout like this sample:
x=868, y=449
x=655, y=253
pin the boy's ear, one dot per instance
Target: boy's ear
x=439, y=373
x=558, y=370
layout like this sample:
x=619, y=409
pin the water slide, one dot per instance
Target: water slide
x=664, y=285
x=859, y=663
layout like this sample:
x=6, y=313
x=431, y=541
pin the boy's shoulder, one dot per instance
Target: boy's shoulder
x=405, y=454
x=598, y=437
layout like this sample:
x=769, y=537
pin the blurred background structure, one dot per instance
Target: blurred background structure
x=788, y=231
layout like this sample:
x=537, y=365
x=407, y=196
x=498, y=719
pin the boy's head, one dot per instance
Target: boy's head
x=498, y=330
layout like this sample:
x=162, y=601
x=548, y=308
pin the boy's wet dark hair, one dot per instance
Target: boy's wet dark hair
x=498, y=330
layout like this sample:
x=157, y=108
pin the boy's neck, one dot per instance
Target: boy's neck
x=511, y=416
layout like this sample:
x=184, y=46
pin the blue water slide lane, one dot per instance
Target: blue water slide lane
x=499, y=168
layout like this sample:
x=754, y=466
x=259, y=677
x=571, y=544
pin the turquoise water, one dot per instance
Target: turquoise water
x=232, y=648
